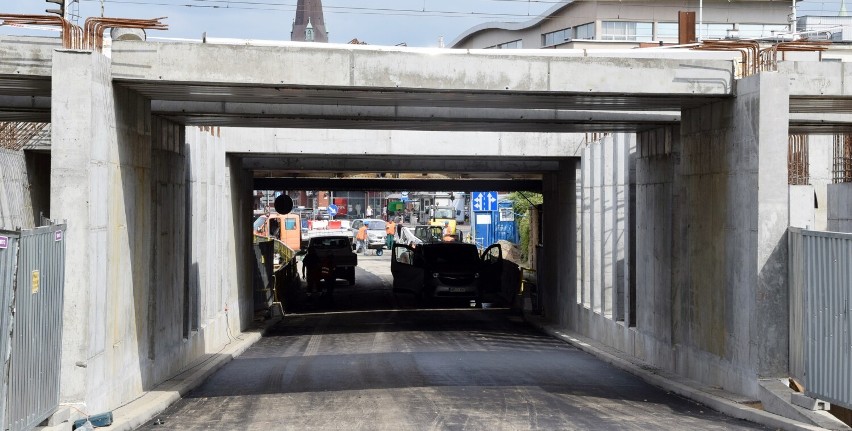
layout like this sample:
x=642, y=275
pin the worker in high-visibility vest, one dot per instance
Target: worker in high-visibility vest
x=390, y=230
x=361, y=237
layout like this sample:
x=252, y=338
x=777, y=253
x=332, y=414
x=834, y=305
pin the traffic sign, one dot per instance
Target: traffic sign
x=332, y=210
x=484, y=201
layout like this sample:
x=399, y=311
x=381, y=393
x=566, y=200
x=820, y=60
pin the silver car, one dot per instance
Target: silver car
x=375, y=233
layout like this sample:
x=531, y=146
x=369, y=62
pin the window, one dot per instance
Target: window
x=515, y=44
x=667, y=30
x=585, y=31
x=626, y=30
x=556, y=37
x=757, y=31
x=713, y=31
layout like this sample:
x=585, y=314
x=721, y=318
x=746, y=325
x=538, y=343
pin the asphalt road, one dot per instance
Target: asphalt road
x=369, y=361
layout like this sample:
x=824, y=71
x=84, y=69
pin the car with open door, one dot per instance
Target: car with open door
x=446, y=270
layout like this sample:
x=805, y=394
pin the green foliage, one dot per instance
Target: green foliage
x=521, y=202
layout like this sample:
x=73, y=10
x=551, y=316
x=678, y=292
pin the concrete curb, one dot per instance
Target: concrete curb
x=674, y=384
x=154, y=402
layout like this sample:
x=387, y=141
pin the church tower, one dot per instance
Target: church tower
x=309, y=24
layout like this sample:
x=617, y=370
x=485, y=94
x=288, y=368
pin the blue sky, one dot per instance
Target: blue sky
x=377, y=22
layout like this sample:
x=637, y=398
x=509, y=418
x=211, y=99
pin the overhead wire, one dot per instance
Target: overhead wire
x=825, y=7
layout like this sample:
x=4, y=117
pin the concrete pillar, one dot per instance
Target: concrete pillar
x=730, y=207
x=100, y=161
x=840, y=207
x=559, y=275
x=654, y=223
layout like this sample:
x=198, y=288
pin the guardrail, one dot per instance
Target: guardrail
x=278, y=273
x=820, y=276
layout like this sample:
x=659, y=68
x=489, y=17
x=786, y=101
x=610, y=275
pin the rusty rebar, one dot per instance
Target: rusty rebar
x=92, y=36
x=749, y=50
x=95, y=27
x=72, y=35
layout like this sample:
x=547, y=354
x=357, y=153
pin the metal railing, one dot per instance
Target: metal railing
x=33, y=279
x=820, y=275
x=278, y=276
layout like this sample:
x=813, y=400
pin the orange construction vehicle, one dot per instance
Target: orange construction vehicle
x=286, y=228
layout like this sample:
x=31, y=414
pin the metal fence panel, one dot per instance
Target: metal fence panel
x=8, y=263
x=37, y=336
x=825, y=274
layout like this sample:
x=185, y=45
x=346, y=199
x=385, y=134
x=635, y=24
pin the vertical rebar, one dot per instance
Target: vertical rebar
x=798, y=160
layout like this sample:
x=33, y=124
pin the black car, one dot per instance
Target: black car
x=446, y=270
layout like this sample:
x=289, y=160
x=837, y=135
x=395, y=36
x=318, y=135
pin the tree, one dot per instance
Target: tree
x=521, y=203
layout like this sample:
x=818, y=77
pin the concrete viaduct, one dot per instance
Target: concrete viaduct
x=158, y=252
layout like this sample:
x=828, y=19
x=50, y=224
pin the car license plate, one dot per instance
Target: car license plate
x=458, y=289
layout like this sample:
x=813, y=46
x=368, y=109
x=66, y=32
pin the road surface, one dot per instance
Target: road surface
x=370, y=361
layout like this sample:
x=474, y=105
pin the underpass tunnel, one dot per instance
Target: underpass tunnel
x=156, y=181
x=351, y=183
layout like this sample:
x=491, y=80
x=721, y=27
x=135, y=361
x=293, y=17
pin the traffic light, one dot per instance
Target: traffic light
x=60, y=11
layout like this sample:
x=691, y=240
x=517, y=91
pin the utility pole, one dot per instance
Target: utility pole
x=793, y=19
x=701, y=19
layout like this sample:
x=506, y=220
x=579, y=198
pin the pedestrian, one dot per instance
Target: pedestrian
x=390, y=230
x=311, y=265
x=384, y=213
x=369, y=212
x=361, y=237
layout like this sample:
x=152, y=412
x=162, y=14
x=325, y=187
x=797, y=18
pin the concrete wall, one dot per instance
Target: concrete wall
x=711, y=219
x=840, y=207
x=802, y=210
x=15, y=197
x=153, y=277
x=821, y=157
x=603, y=224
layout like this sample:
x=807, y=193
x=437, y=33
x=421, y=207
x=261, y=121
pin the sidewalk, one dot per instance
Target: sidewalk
x=149, y=405
x=721, y=401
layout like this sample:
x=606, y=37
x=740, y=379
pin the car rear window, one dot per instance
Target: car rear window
x=455, y=254
x=330, y=242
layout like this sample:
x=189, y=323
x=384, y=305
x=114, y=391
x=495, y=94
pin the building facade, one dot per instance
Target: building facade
x=626, y=24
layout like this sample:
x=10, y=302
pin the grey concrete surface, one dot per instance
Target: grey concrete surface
x=358, y=365
x=840, y=207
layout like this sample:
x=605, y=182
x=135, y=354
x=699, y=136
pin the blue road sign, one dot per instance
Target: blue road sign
x=332, y=210
x=484, y=201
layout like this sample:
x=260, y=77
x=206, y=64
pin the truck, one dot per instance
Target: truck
x=335, y=256
x=283, y=227
x=323, y=227
x=441, y=215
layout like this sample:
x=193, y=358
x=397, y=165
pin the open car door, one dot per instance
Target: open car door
x=491, y=274
x=406, y=276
